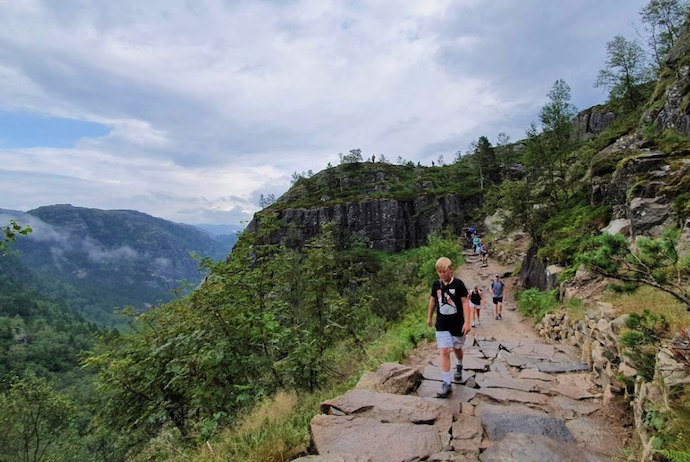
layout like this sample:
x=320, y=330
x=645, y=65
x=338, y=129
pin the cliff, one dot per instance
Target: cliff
x=394, y=206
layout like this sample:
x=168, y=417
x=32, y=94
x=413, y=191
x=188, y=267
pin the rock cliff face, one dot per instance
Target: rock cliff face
x=593, y=120
x=644, y=175
x=395, y=207
x=670, y=105
x=391, y=225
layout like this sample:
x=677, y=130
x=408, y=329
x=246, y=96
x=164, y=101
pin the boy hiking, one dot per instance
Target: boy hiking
x=449, y=301
x=497, y=288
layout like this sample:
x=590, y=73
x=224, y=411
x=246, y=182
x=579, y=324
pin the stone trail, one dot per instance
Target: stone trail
x=520, y=400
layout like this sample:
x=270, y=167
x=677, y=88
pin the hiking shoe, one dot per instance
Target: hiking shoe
x=500, y=316
x=473, y=324
x=458, y=375
x=446, y=389
x=496, y=317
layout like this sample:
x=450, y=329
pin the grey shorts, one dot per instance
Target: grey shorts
x=445, y=340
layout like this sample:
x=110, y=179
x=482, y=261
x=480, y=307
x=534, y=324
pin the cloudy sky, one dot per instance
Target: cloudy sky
x=189, y=109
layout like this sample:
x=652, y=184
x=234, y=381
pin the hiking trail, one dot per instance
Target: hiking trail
x=520, y=399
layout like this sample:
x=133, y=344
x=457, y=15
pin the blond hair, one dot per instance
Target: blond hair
x=443, y=263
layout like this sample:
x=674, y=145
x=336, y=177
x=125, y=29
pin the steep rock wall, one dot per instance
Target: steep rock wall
x=391, y=225
x=593, y=120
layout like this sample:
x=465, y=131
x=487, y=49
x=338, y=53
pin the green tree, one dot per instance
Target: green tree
x=354, y=156
x=524, y=204
x=483, y=157
x=503, y=152
x=33, y=420
x=556, y=119
x=662, y=21
x=654, y=262
x=9, y=234
x=626, y=70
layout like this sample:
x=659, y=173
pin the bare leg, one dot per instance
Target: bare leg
x=444, y=359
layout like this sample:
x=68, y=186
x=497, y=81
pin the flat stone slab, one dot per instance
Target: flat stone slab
x=434, y=373
x=534, y=374
x=387, y=407
x=370, y=439
x=497, y=426
x=567, y=408
x=467, y=427
x=489, y=348
x=461, y=394
x=448, y=456
x=574, y=386
x=560, y=368
x=539, y=350
x=512, y=408
x=324, y=458
x=504, y=395
x=518, y=360
x=572, y=351
x=595, y=437
x=472, y=363
x=498, y=380
x=519, y=447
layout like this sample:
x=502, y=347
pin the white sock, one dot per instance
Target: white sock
x=446, y=376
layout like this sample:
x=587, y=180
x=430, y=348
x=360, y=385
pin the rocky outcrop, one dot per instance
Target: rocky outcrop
x=594, y=120
x=390, y=225
x=669, y=108
x=533, y=271
x=640, y=186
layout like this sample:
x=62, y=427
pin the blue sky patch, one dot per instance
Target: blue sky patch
x=27, y=130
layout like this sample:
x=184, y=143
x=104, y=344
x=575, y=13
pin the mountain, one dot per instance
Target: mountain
x=102, y=259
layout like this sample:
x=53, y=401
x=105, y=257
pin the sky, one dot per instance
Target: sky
x=189, y=110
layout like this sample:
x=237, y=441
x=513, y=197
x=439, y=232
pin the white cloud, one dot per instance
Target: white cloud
x=212, y=102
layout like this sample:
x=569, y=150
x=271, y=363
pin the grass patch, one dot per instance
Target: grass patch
x=576, y=309
x=657, y=302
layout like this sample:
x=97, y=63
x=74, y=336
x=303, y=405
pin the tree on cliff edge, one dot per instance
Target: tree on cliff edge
x=654, y=262
x=626, y=70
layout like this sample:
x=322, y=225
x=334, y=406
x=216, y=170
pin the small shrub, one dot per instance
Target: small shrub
x=536, y=303
x=623, y=288
x=641, y=340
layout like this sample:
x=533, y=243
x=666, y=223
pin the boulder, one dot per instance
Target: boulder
x=392, y=378
x=649, y=216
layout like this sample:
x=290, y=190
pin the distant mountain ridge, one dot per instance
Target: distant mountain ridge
x=111, y=258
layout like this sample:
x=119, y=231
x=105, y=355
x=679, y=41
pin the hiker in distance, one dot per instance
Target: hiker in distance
x=476, y=304
x=497, y=290
x=449, y=301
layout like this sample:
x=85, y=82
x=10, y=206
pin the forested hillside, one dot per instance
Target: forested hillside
x=100, y=260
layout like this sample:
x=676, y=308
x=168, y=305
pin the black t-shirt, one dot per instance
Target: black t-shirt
x=476, y=297
x=449, y=313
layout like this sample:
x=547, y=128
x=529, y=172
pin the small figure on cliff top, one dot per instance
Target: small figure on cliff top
x=449, y=301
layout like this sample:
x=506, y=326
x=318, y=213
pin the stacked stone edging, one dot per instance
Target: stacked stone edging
x=597, y=337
